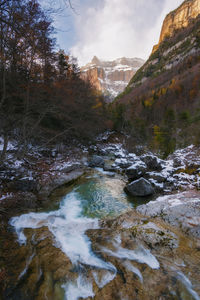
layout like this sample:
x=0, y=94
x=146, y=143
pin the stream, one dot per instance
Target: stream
x=89, y=243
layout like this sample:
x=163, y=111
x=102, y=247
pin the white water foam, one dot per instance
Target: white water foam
x=68, y=227
x=133, y=269
x=28, y=262
x=103, y=279
x=187, y=283
x=141, y=255
x=81, y=288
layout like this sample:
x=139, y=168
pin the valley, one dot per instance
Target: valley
x=99, y=165
x=111, y=77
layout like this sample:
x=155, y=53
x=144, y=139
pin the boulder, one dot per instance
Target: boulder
x=96, y=161
x=181, y=210
x=68, y=167
x=24, y=185
x=157, y=176
x=122, y=163
x=140, y=188
x=152, y=162
x=109, y=168
x=136, y=171
x=45, y=189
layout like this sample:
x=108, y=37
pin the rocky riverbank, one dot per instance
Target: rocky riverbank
x=27, y=184
x=146, y=174
x=151, y=252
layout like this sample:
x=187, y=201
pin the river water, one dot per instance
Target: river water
x=56, y=257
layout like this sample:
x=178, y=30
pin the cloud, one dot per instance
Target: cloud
x=111, y=29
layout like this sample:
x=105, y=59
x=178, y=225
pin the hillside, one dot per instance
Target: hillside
x=161, y=105
x=179, y=18
x=111, y=77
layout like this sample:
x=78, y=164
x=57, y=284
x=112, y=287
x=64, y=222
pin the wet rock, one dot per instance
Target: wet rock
x=143, y=261
x=109, y=167
x=96, y=161
x=53, y=183
x=140, y=188
x=18, y=202
x=152, y=162
x=156, y=236
x=136, y=171
x=24, y=185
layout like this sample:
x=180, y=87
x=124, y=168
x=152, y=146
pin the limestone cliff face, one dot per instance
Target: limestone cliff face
x=165, y=91
x=181, y=31
x=111, y=77
x=179, y=18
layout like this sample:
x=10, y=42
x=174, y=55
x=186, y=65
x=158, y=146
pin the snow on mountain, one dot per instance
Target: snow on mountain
x=111, y=77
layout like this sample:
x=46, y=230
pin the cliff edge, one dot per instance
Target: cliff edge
x=179, y=18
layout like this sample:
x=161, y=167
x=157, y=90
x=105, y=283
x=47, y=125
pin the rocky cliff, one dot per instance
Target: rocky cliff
x=111, y=77
x=179, y=18
x=161, y=102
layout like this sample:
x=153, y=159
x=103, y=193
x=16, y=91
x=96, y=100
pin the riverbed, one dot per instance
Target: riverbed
x=89, y=243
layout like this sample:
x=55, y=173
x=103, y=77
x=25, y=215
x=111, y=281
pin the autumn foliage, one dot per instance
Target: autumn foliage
x=163, y=111
x=42, y=98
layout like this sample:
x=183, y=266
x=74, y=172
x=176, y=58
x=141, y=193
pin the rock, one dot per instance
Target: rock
x=109, y=168
x=178, y=18
x=136, y=171
x=96, y=161
x=69, y=167
x=24, y=185
x=156, y=236
x=61, y=179
x=17, y=203
x=180, y=210
x=177, y=162
x=110, y=77
x=159, y=177
x=29, y=200
x=152, y=162
x=140, y=187
x=122, y=163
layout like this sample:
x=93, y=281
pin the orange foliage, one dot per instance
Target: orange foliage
x=149, y=102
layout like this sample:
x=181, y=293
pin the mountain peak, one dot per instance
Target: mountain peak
x=111, y=77
x=95, y=60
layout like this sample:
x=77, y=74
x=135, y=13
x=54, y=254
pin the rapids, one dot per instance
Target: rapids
x=70, y=255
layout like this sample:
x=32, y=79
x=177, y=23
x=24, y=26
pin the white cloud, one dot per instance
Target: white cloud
x=111, y=29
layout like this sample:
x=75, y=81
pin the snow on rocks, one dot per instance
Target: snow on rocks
x=179, y=172
x=183, y=157
x=36, y=175
x=136, y=170
x=66, y=166
x=96, y=161
x=152, y=162
x=11, y=145
x=5, y=196
x=182, y=209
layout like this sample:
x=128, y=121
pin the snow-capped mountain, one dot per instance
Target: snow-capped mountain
x=111, y=77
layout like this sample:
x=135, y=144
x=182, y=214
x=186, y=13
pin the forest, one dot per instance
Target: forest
x=163, y=112
x=43, y=101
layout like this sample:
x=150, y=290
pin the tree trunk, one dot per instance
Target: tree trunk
x=5, y=146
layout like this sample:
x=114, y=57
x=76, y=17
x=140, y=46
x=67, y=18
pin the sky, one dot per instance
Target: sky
x=111, y=29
